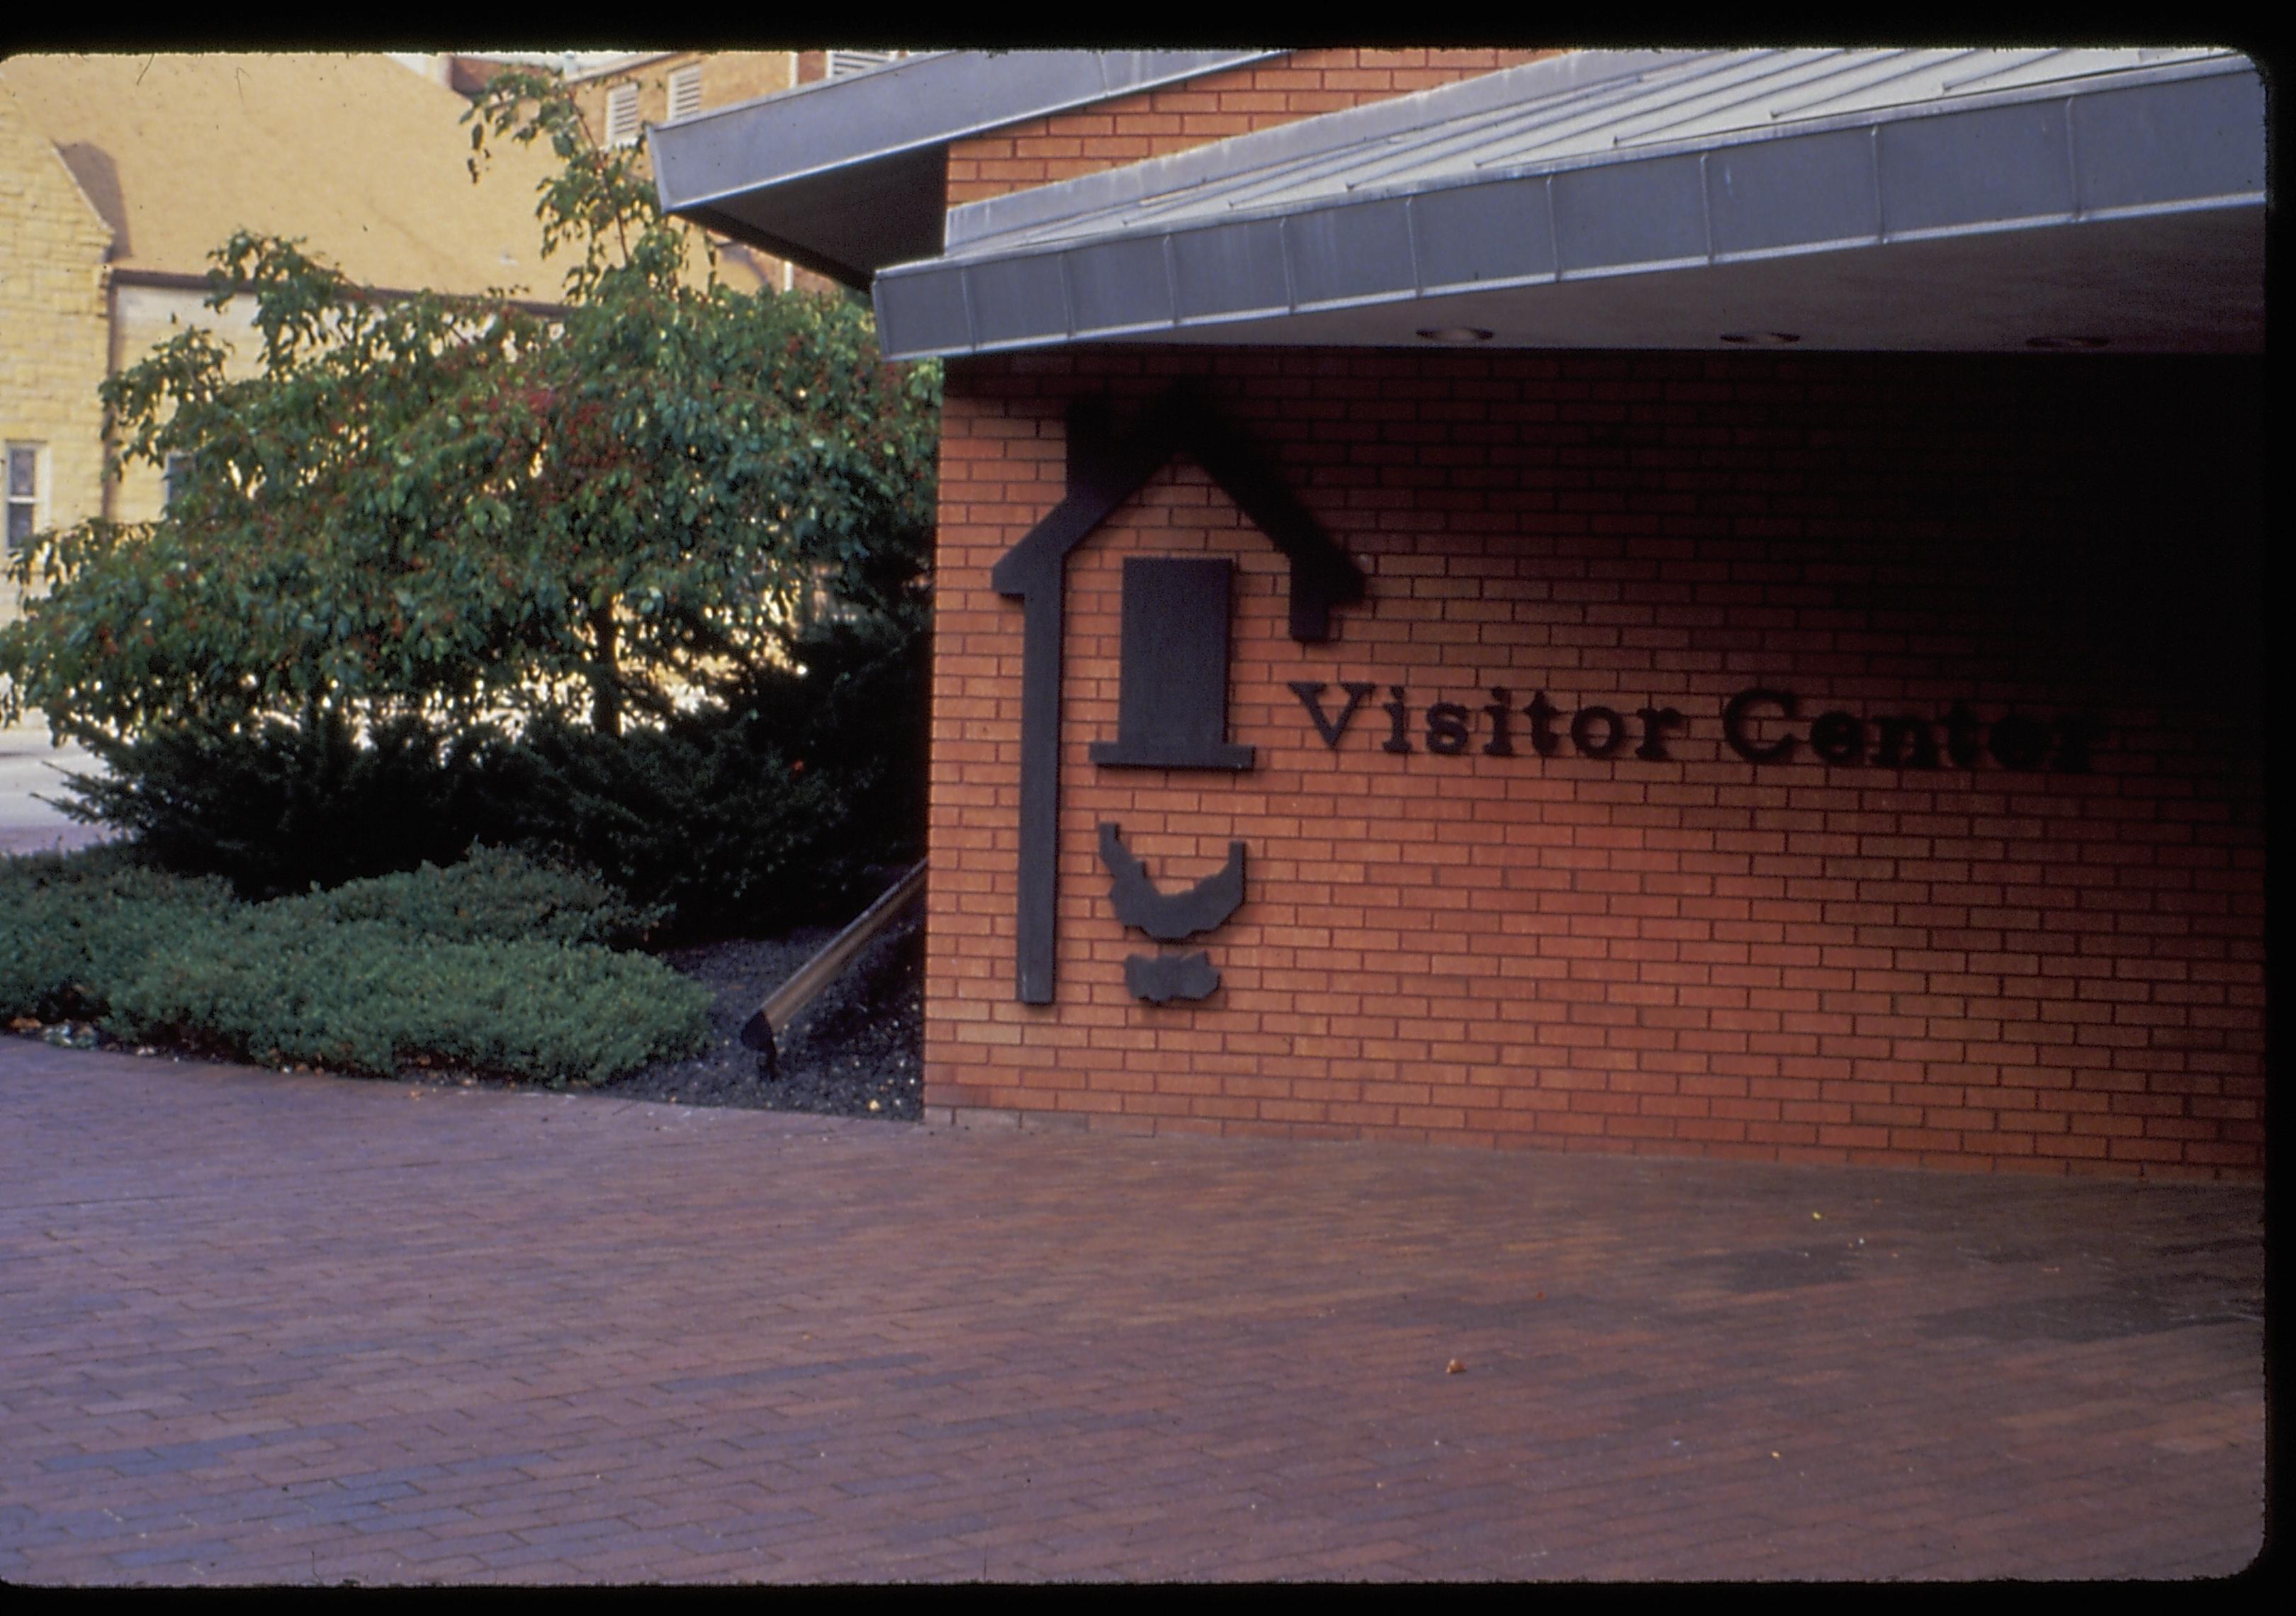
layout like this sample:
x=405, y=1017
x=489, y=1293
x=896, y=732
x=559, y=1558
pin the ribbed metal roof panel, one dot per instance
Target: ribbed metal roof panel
x=1603, y=164
x=1706, y=100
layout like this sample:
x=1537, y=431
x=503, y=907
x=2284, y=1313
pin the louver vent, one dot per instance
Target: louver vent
x=842, y=62
x=622, y=115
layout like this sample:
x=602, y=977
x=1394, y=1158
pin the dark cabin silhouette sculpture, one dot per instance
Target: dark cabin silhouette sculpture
x=1103, y=471
x=1171, y=701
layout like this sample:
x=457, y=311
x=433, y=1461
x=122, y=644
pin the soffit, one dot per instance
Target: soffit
x=846, y=175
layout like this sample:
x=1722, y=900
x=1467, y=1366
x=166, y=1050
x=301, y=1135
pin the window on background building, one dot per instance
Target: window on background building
x=686, y=91
x=173, y=479
x=23, y=493
x=842, y=62
x=622, y=115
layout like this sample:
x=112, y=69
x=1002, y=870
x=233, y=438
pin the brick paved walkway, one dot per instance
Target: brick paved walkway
x=276, y=1328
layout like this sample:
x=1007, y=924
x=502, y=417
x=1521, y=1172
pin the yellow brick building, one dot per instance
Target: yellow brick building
x=620, y=96
x=132, y=169
x=55, y=336
x=120, y=173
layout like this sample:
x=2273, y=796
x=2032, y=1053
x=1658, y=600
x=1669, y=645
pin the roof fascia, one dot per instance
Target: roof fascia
x=919, y=101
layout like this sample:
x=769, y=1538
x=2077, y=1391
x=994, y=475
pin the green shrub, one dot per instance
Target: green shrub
x=494, y=965
x=726, y=829
x=463, y=509
x=747, y=819
x=276, y=984
x=280, y=808
x=70, y=925
x=495, y=893
x=418, y=502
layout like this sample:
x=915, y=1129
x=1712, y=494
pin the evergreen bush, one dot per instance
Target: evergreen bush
x=274, y=984
x=278, y=807
x=496, y=965
x=741, y=819
x=72, y=925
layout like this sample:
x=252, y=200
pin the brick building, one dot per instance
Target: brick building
x=620, y=98
x=54, y=335
x=621, y=94
x=118, y=175
x=1674, y=602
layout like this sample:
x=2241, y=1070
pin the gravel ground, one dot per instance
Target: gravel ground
x=857, y=1050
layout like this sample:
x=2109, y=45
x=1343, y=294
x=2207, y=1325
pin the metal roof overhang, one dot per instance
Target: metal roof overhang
x=847, y=175
x=2123, y=208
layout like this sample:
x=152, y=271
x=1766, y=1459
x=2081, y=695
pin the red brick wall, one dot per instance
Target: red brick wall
x=1976, y=967
x=1156, y=123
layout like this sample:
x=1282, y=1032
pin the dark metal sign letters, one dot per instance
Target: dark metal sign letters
x=1890, y=740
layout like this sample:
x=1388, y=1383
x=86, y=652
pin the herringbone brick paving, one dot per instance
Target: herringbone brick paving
x=278, y=1328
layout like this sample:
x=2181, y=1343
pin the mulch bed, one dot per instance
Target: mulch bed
x=857, y=1050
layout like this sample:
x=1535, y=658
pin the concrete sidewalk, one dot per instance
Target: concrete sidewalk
x=28, y=772
x=272, y=1328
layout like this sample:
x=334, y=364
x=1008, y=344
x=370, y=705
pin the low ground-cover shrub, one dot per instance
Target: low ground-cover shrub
x=495, y=965
x=275, y=984
x=71, y=926
x=493, y=893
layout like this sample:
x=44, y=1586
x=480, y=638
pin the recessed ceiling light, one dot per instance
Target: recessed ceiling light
x=1456, y=334
x=2065, y=342
x=1762, y=338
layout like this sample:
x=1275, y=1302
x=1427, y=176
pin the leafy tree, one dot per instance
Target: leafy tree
x=449, y=508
